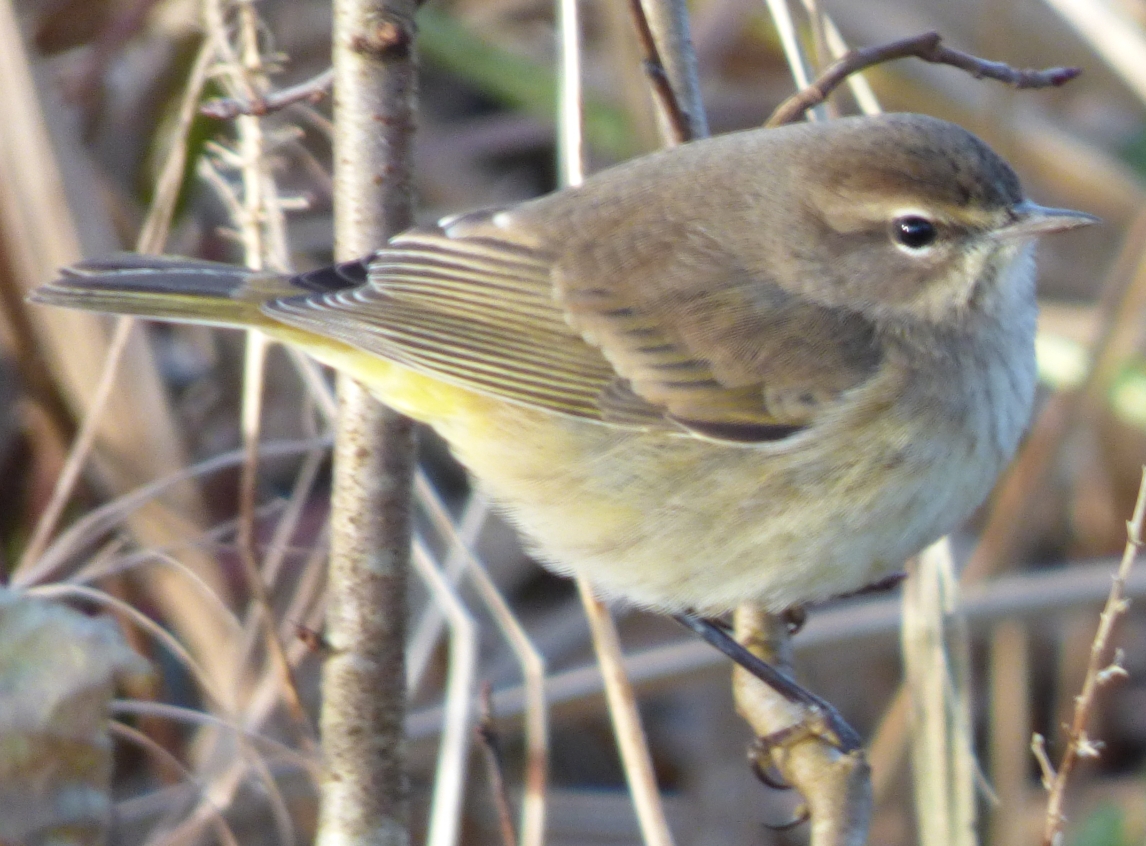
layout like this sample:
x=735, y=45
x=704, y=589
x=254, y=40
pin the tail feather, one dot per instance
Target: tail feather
x=185, y=290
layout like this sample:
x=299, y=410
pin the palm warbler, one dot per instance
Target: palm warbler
x=767, y=366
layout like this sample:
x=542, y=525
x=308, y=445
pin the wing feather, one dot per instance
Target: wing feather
x=476, y=311
x=712, y=351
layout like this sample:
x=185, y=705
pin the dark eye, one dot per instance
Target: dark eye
x=913, y=232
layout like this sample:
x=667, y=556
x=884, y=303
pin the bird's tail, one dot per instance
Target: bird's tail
x=185, y=290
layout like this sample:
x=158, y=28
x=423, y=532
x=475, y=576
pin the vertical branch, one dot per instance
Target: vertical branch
x=835, y=785
x=364, y=796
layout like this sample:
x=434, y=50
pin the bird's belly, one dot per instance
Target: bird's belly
x=674, y=523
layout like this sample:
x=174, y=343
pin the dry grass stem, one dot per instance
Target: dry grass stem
x=631, y=740
x=1010, y=726
x=453, y=754
x=202, y=677
x=790, y=43
x=1034, y=596
x=858, y=85
x=937, y=669
x=80, y=449
x=461, y=536
x=528, y=657
x=1112, y=34
x=275, y=749
x=224, y=832
x=151, y=238
x=570, y=128
x=98, y=521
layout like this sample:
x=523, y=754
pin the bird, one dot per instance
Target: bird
x=767, y=366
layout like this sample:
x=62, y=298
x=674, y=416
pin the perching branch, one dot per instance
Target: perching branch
x=835, y=785
x=929, y=48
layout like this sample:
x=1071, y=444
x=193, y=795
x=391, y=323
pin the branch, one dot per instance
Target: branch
x=1098, y=673
x=364, y=796
x=679, y=129
x=310, y=91
x=491, y=747
x=927, y=47
x=835, y=785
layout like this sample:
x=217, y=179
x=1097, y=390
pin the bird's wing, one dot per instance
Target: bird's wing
x=723, y=350
x=471, y=309
x=502, y=317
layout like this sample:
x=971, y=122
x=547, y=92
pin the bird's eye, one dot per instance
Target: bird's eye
x=913, y=233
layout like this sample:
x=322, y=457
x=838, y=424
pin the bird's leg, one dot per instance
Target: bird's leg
x=841, y=735
x=799, y=736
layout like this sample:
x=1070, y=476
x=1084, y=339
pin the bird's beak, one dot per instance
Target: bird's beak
x=1031, y=219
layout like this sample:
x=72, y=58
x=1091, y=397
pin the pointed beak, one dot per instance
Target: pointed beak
x=1031, y=219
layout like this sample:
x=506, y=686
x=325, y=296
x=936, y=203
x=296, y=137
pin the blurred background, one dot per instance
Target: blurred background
x=92, y=93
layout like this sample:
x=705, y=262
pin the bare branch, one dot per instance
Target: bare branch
x=679, y=124
x=1079, y=745
x=311, y=91
x=364, y=797
x=929, y=48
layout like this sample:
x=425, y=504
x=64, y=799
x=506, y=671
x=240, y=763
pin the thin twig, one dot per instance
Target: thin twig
x=310, y=91
x=487, y=734
x=680, y=129
x=255, y=214
x=929, y=48
x=1098, y=673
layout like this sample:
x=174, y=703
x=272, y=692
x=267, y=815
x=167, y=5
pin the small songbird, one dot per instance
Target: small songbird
x=768, y=366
